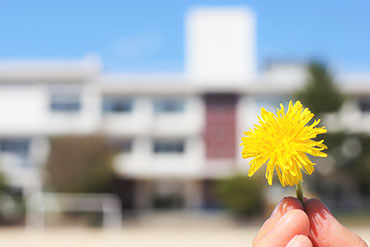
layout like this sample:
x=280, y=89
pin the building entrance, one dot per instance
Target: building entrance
x=168, y=195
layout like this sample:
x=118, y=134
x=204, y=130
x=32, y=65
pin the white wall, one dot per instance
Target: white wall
x=220, y=45
x=147, y=126
x=25, y=113
x=143, y=121
x=26, y=171
x=85, y=121
x=24, y=110
x=142, y=162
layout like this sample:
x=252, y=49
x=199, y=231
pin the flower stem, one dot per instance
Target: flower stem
x=299, y=191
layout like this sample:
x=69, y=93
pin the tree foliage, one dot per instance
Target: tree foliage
x=3, y=181
x=241, y=194
x=79, y=164
x=320, y=93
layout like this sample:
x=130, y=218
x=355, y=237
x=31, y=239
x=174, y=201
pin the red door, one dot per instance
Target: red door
x=220, y=126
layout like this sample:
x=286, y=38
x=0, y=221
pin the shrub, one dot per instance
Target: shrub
x=241, y=194
x=79, y=165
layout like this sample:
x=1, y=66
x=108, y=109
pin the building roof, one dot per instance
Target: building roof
x=280, y=80
x=49, y=70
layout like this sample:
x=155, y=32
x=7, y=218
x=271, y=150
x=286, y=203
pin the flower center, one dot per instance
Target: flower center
x=283, y=146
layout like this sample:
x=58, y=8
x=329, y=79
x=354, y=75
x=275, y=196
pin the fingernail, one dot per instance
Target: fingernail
x=276, y=209
x=326, y=207
x=322, y=217
x=283, y=207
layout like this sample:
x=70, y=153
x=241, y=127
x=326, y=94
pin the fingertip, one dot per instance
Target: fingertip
x=313, y=205
x=285, y=205
x=293, y=202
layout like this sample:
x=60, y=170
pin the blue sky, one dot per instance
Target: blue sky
x=148, y=36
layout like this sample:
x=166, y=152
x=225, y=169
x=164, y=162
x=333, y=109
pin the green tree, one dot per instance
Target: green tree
x=241, y=194
x=79, y=164
x=320, y=93
x=3, y=181
x=322, y=96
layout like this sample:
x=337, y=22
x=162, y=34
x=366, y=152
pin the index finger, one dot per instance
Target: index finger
x=285, y=205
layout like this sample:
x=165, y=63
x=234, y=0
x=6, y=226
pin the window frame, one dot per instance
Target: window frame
x=108, y=107
x=121, y=145
x=364, y=105
x=169, y=105
x=65, y=101
x=22, y=152
x=163, y=146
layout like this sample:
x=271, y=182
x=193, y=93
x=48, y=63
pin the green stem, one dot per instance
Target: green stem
x=299, y=192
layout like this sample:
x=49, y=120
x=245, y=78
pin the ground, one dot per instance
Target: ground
x=180, y=230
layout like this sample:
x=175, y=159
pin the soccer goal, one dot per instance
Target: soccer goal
x=39, y=204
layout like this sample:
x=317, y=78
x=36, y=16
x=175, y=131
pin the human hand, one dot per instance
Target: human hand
x=292, y=225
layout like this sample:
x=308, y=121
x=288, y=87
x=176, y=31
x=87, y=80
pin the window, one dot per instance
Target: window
x=121, y=145
x=364, y=105
x=117, y=104
x=19, y=147
x=169, y=105
x=168, y=146
x=65, y=102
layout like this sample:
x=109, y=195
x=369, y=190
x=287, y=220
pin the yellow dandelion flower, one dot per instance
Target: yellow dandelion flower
x=282, y=141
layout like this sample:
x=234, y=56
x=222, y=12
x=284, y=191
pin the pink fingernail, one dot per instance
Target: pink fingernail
x=276, y=209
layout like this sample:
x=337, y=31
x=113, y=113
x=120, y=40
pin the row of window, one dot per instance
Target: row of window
x=71, y=102
x=176, y=146
x=62, y=102
x=21, y=146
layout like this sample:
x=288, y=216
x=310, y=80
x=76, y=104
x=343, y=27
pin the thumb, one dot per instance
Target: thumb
x=326, y=230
